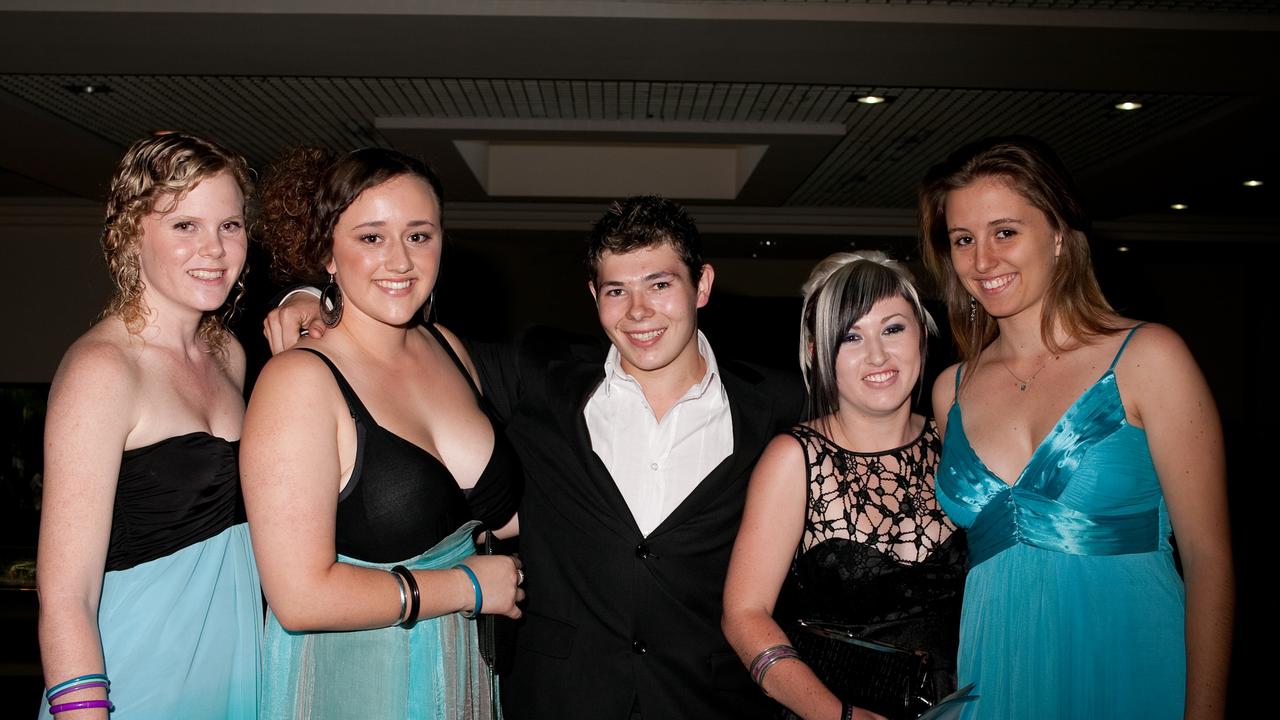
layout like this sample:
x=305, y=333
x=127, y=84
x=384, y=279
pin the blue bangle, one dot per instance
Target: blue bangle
x=94, y=677
x=475, y=583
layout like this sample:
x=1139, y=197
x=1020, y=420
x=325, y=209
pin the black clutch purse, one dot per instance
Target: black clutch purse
x=889, y=680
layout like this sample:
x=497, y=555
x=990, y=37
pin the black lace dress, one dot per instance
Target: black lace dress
x=881, y=562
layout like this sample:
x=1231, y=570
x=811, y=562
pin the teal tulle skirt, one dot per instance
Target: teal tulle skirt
x=433, y=670
x=181, y=635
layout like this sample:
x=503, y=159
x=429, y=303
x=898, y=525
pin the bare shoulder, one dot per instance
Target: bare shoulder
x=944, y=394
x=96, y=356
x=1153, y=351
x=782, y=456
x=460, y=350
x=295, y=367
x=97, y=385
x=1153, y=339
x=234, y=357
x=1158, y=375
x=295, y=392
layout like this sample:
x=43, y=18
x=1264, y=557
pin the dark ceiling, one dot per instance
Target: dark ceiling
x=264, y=75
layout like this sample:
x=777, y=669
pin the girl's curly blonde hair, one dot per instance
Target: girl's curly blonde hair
x=161, y=169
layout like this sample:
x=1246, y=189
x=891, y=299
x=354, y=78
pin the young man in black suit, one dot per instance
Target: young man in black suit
x=636, y=472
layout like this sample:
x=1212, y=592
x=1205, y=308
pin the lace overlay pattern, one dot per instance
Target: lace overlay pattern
x=880, y=560
x=882, y=500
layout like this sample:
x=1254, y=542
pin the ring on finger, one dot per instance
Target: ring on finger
x=519, y=576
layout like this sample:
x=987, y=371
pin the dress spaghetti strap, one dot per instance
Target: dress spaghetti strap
x=357, y=408
x=1123, y=345
x=439, y=336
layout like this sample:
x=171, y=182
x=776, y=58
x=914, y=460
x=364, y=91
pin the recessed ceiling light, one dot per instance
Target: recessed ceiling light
x=1128, y=105
x=87, y=89
x=872, y=99
x=1178, y=206
x=1252, y=183
x=1122, y=248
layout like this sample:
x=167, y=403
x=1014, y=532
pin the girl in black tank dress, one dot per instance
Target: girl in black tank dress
x=371, y=461
x=842, y=520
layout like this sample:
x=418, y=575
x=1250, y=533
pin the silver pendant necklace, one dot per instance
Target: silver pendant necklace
x=1024, y=384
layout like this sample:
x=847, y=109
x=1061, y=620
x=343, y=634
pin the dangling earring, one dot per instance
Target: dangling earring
x=429, y=310
x=973, y=309
x=331, y=303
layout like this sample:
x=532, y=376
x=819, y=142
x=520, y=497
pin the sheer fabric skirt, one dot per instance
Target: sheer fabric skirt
x=181, y=635
x=1049, y=635
x=433, y=670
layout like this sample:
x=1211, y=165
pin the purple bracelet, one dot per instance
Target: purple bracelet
x=82, y=705
x=765, y=660
x=73, y=688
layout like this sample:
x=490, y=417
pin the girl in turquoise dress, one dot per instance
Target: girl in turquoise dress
x=1075, y=443
x=149, y=598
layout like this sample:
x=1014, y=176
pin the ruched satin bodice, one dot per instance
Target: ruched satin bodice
x=1072, y=606
x=1089, y=489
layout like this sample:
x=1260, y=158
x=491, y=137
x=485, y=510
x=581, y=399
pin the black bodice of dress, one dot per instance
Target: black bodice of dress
x=172, y=494
x=401, y=500
x=878, y=553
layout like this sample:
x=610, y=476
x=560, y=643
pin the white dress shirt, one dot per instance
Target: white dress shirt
x=656, y=464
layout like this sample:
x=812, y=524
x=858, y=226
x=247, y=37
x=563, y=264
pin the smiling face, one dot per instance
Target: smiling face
x=190, y=253
x=879, y=362
x=386, y=250
x=1002, y=247
x=648, y=306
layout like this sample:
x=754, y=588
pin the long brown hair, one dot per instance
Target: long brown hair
x=1073, y=300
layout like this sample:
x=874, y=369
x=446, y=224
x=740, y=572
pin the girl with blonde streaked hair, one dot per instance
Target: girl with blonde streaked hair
x=842, y=534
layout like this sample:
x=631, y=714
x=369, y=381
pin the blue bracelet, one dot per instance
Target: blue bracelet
x=475, y=583
x=93, y=677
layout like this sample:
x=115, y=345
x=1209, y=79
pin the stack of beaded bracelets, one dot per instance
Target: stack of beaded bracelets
x=765, y=660
x=84, y=682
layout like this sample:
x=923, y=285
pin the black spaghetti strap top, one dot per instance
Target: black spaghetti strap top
x=173, y=494
x=401, y=500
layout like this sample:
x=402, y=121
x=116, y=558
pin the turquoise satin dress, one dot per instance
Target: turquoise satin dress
x=1072, y=607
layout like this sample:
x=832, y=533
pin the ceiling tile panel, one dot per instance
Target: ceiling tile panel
x=877, y=164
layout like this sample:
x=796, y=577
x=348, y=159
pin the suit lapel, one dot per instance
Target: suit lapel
x=753, y=421
x=580, y=381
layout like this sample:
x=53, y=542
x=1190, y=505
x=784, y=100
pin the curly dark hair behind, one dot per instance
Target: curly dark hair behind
x=307, y=190
x=643, y=221
x=285, y=218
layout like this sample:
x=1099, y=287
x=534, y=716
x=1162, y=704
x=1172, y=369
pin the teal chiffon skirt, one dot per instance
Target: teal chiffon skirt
x=433, y=670
x=181, y=635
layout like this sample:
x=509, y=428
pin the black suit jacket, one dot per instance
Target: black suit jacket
x=612, y=616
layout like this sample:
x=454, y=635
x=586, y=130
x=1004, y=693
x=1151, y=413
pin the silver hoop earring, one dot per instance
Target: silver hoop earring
x=331, y=303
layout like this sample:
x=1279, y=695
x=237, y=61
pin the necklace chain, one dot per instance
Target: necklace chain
x=1024, y=384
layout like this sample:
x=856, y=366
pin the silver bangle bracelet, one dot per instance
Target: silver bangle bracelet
x=404, y=600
